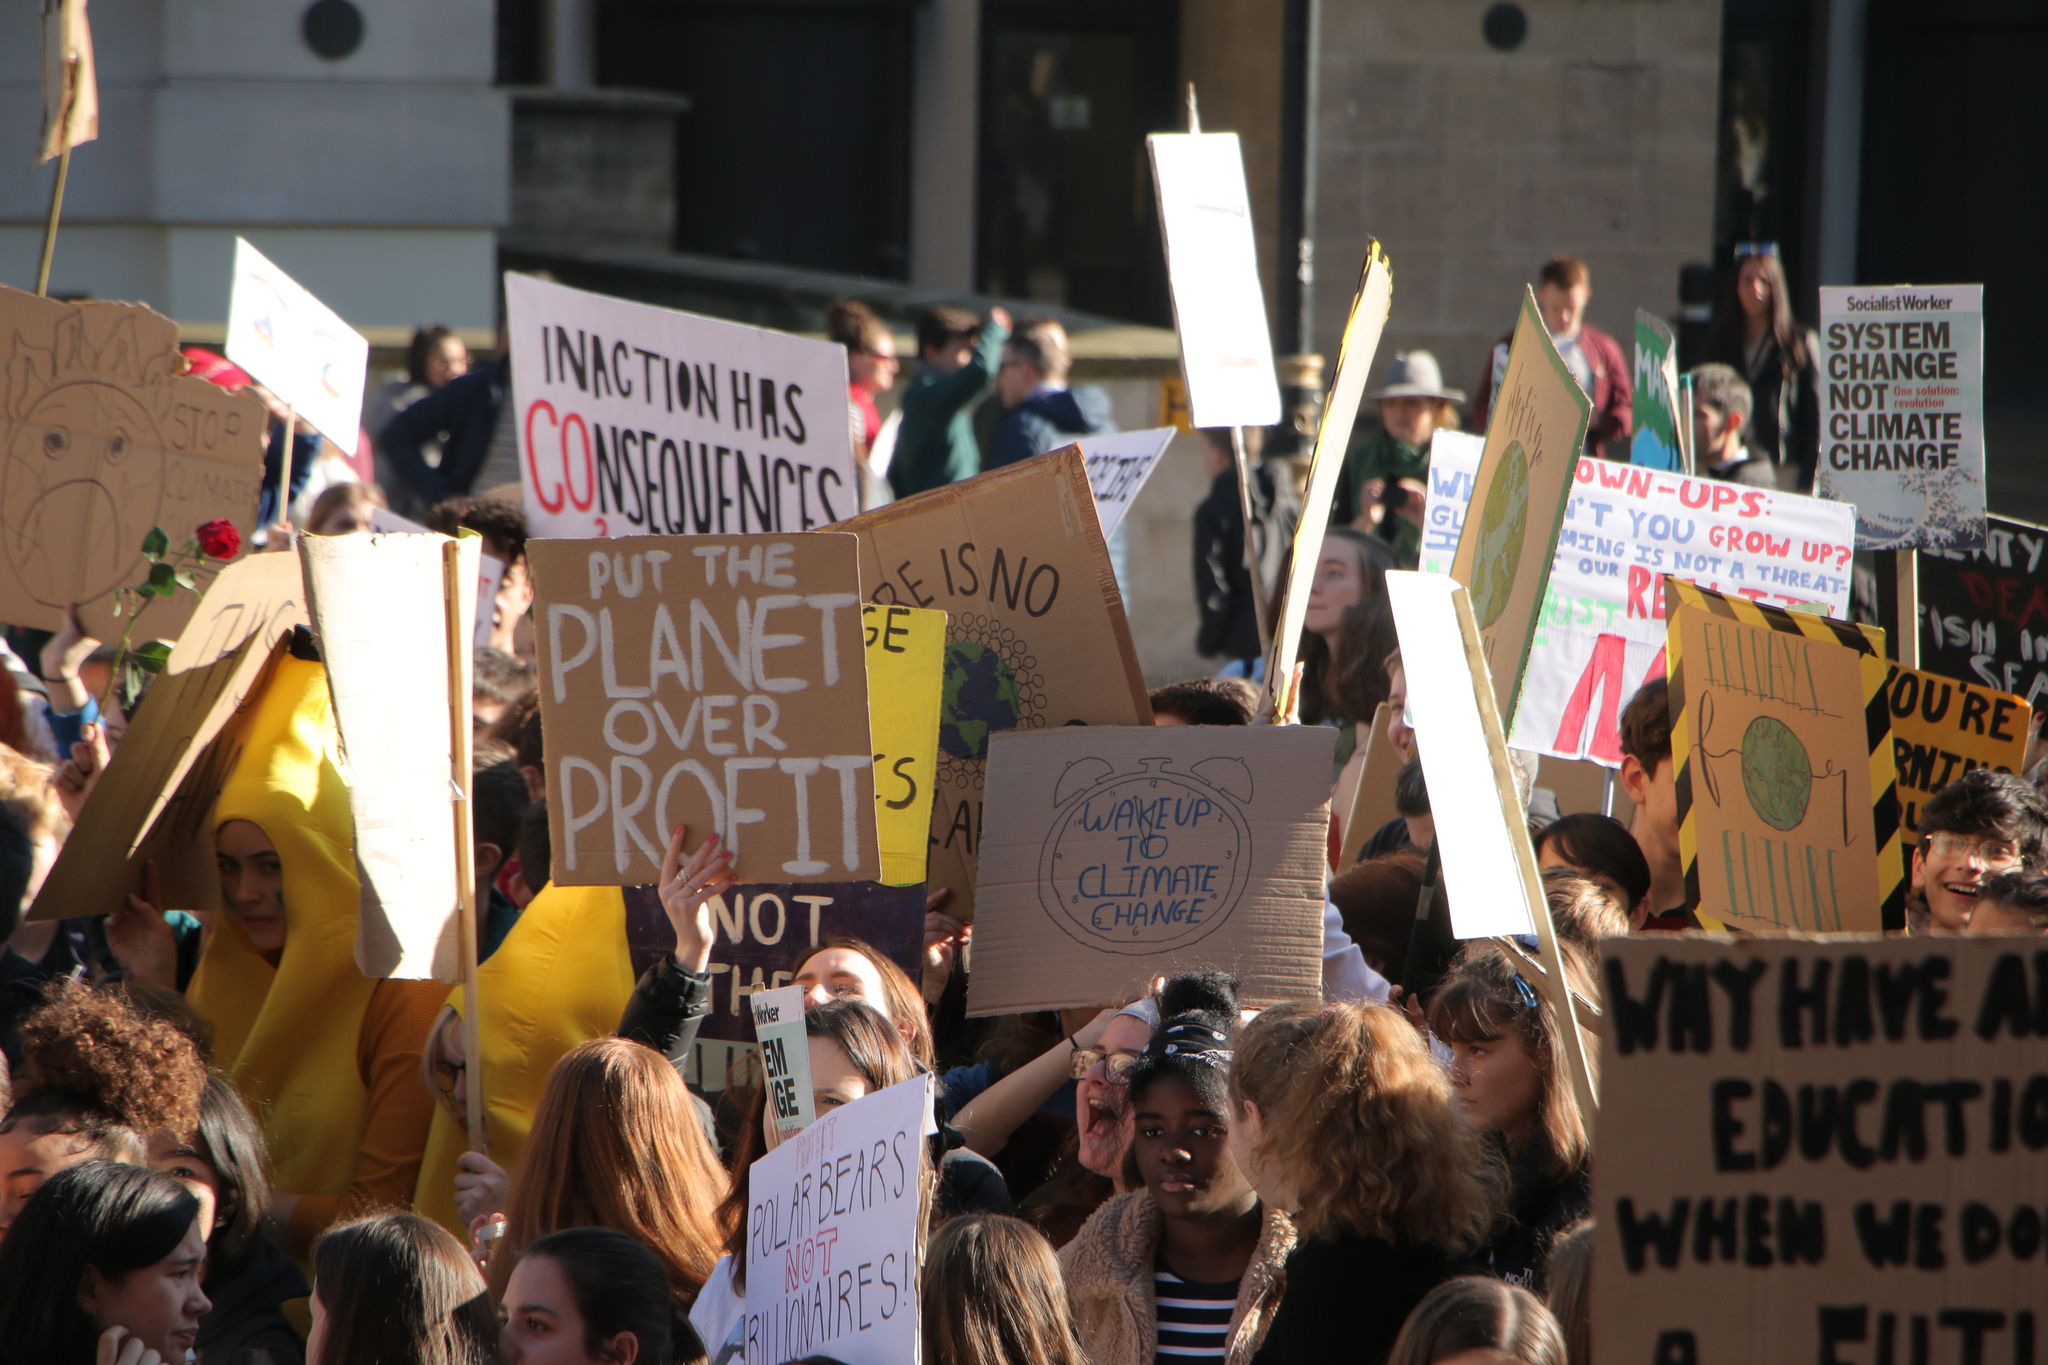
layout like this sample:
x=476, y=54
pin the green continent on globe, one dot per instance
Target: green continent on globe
x=1776, y=772
x=980, y=696
x=1502, y=527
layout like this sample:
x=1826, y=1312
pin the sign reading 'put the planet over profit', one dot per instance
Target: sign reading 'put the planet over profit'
x=1782, y=752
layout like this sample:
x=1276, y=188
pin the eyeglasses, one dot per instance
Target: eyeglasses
x=1755, y=249
x=1116, y=1066
x=1996, y=854
x=446, y=1074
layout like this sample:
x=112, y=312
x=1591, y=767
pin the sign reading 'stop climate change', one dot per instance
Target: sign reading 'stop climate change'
x=636, y=420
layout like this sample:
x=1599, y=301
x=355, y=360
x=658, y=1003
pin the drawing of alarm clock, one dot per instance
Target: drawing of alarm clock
x=1142, y=861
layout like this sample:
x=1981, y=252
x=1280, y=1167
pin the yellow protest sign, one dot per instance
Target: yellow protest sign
x=906, y=678
x=1942, y=728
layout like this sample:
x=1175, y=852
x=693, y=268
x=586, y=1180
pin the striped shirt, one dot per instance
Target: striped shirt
x=1194, y=1318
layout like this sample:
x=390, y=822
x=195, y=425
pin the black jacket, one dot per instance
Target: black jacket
x=1346, y=1299
x=465, y=410
x=1047, y=421
x=1223, y=586
x=245, y=1326
x=1539, y=1208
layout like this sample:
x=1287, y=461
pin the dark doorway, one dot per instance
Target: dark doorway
x=796, y=149
x=1763, y=175
x=1069, y=91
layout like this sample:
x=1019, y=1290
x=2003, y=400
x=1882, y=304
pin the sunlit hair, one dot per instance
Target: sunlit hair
x=29, y=785
x=1570, y=1294
x=1583, y=911
x=902, y=1001
x=1479, y=1002
x=399, y=1290
x=96, y=1068
x=342, y=497
x=1477, y=1313
x=617, y=1144
x=1360, y=1117
x=993, y=1296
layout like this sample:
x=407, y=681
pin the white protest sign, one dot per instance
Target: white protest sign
x=1902, y=413
x=297, y=347
x=1601, y=632
x=1119, y=462
x=490, y=572
x=1212, y=267
x=634, y=419
x=1480, y=867
x=785, y=1058
x=832, y=1231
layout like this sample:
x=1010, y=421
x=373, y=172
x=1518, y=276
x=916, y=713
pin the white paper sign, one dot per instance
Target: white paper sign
x=832, y=1235
x=1479, y=861
x=1119, y=462
x=1212, y=267
x=785, y=1058
x=635, y=420
x=297, y=347
x=1902, y=413
x=1601, y=633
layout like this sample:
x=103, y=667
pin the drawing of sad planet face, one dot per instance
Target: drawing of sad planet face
x=1502, y=528
x=1776, y=773
x=1144, y=861
x=83, y=484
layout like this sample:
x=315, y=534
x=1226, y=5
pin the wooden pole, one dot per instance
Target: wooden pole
x=283, y=510
x=1251, y=554
x=1685, y=432
x=50, y=225
x=1907, y=564
x=459, y=597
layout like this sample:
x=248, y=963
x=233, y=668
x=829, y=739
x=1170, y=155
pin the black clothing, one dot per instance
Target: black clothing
x=466, y=411
x=667, y=1007
x=21, y=993
x=1539, y=1208
x=1223, y=587
x=1346, y=1299
x=1784, y=402
x=245, y=1326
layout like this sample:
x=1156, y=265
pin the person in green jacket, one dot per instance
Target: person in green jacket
x=1414, y=405
x=957, y=357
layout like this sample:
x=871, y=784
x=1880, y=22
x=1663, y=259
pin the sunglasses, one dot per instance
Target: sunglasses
x=1755, y=249
x=1116, y=1066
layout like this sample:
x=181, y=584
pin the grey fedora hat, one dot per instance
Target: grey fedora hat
x=1415, y=374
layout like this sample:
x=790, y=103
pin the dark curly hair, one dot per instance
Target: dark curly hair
x=1198, y=1013
x=503, y=522
x=92, y=1056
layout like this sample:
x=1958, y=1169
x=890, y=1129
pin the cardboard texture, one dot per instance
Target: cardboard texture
x=1942, y=728
x=1212, y=270
x=1788, y=815
x=153, y=799
x=297, y=347
x=1526, y=476
x=1600, y=635
x=1901, y=397
x=1362, y=327
x=1654, y=442
x=375, y=598
x=1820, y=1151
x=1583, y=787
x=1119, y=463
x=785, y=1058
x=833, y=1236
x=906, y=653
x=637, y=420
x=717, y=682
x=1035, y=633
x=1372, y=803
x=490, y=572
x=1984, y=612
x=1112, y=856
x=105, y=440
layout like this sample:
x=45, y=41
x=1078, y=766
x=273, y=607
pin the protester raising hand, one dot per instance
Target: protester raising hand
x=79, y=774
x=119, y=1347
x=687, y=886
x=945, y=938
x=140, y=937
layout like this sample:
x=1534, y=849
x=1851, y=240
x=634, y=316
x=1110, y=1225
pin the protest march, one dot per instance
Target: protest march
x=673, y=843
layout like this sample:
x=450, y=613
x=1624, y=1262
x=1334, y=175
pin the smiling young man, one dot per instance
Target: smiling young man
x=1981, y=824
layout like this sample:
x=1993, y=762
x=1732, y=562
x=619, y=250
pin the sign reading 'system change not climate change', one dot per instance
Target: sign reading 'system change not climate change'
x=634, y=419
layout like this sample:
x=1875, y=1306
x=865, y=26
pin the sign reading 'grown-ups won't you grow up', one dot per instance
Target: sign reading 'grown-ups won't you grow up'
x=635, y=420
x=711, y=681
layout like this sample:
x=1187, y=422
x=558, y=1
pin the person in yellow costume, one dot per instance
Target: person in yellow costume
x=326, y=1057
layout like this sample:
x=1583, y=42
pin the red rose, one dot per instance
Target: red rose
x=219, y=539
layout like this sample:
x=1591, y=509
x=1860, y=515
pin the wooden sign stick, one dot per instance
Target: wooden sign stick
x=1907, y=565
x=1251, y=555
x=459, y=594
x=282, y=512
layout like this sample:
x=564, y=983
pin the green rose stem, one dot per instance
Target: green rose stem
x=166, y=576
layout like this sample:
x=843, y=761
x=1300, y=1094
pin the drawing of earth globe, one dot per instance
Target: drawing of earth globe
x=83, y=484
x=980, y=696
x=1502, y=527
x=1776, y=772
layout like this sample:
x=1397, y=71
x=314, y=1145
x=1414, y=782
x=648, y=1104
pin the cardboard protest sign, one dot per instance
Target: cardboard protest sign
x=297, y=347
x=106, y=439
x=375, y=598
x=1453, y=461
x=833, y=1236
x=785, y=1058
x=1362, y=328
x=1984, y=612
x=153, y=799
x=490, y=570
x=1942, y=728
x=1654, y=441
x=1212, y=269
x=1788, y=812
x=906, y=652
x=1119, y=462
x=1112, y=856
x=1821, y=1150
x=1600, y=635
x=1035, y=631
x=763, y=933
x=711, y=681
x=1372, y=800
x=1533, y=438
x=1902, y=412
x=634, y=420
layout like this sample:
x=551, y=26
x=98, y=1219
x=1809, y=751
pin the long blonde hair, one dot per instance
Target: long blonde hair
x=993, y=1295
x=616, y=1144
x=1359, y=1115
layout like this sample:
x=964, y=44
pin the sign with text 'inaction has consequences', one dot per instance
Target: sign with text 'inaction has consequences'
x=1831, y=1151
x=711, y=681
x=633, y=419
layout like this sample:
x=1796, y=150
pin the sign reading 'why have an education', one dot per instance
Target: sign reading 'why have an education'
x=634, y=420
